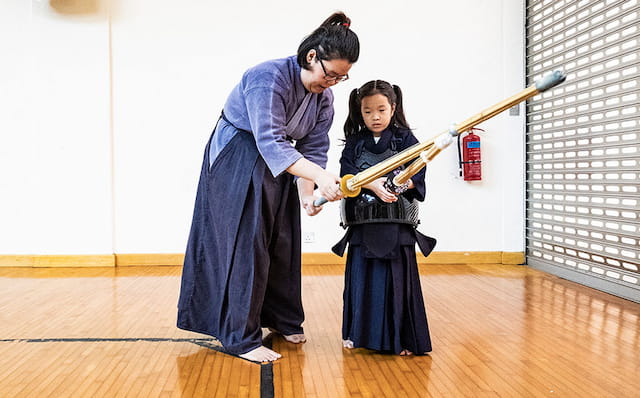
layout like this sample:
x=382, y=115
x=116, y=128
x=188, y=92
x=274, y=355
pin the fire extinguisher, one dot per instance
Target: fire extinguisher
x=470, y=162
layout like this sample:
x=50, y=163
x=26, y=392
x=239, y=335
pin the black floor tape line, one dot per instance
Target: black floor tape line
x=266, y=369
x=98, y=339
x=266, y=372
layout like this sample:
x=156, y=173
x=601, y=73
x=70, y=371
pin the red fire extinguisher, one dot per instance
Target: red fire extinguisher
x=470, y=163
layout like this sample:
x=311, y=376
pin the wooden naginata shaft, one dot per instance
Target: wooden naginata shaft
x=431, y=152
x=426, y=151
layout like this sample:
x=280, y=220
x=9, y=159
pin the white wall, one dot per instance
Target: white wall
x=55, y=163
x=105, y=114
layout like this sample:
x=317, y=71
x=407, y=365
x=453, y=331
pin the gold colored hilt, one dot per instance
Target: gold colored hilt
x=346, y=188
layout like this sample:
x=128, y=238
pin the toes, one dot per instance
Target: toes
x=261, y=354
x=291, y=338
x=295, y=338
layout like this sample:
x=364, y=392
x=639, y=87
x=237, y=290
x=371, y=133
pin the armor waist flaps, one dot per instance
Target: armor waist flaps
x=368, y=209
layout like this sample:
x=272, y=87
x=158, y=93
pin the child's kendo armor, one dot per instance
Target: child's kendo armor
x=367, y=208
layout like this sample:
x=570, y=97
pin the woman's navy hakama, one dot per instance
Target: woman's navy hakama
x=242, y=263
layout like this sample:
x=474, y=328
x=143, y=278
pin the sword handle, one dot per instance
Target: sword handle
x=320, y=201
x=344, y=187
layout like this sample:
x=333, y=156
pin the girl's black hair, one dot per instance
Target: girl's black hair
x=355, y=122
x=332, y=40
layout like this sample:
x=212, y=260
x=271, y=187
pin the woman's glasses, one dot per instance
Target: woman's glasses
x=332, y=78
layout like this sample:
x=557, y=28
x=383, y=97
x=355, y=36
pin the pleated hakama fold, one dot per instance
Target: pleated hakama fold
x=383, y=302
x=242, y=263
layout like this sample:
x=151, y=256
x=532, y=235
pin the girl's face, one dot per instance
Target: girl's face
x=376, y=112
x=323, y=73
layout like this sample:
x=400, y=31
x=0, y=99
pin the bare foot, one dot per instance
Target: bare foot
x=295, y=338
x=261, y=354
x=347, y=343
x=406, y=353
x=292, y=338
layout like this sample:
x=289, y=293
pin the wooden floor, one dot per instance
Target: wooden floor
x=497, y=331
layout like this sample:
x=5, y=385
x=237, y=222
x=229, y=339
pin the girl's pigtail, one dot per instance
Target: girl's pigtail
x=354, y=120
x=400, y=119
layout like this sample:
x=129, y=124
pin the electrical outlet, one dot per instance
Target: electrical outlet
x=309, y=237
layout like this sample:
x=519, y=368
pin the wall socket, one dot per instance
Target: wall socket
x=308, y=237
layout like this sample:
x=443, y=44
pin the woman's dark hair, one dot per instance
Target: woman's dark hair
x=331, y=40
x=355, y=122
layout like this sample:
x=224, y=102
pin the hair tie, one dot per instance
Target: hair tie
x=345, y=24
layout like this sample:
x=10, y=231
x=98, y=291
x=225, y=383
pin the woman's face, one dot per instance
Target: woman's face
x=323, y=74
x=376, y=112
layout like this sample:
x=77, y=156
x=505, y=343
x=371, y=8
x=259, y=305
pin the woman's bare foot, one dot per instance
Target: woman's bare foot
x=405, y=353
x=292, y=338
x=347, y=343
x=261, y=354
x=295, y=338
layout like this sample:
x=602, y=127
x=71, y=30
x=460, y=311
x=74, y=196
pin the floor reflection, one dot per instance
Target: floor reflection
x=208, y=373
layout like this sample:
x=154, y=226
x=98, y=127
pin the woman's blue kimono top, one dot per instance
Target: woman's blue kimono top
x=265, y=103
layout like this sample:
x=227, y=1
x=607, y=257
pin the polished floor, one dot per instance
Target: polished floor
x=497, y=331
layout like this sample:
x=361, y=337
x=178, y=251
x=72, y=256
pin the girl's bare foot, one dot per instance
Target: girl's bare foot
x=261, y=354
x=347, y=343
x=406, y=353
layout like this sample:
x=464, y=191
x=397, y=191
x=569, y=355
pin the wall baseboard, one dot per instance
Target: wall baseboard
x=128, y=260
x=71, y=260
x=152, y=259
x=513, y=258
x=434, y=258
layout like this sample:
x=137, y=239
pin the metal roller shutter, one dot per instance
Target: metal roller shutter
x=583, y=143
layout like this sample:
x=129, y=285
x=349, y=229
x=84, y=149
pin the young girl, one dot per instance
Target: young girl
x=383, y=304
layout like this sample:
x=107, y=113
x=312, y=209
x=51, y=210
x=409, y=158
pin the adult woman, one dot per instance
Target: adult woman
x=242, y=264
